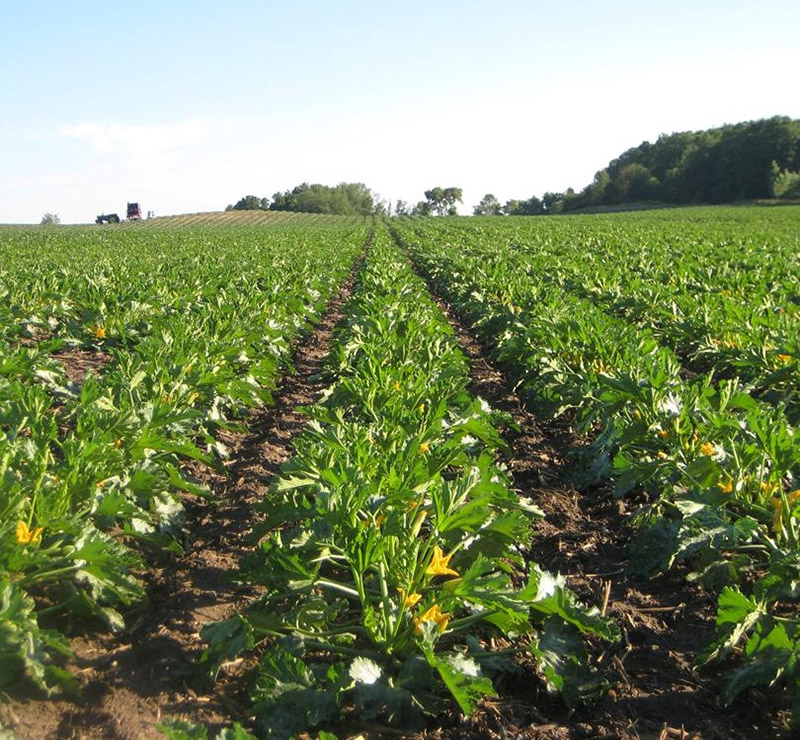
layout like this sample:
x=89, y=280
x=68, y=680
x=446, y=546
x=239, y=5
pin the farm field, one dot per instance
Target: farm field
x=458, y=477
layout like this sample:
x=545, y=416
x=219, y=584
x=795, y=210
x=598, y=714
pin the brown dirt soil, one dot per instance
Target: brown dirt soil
x=133, y=680
x=665, y=621
x=78, y=363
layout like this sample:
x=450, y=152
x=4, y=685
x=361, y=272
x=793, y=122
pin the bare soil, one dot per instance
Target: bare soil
x=78, y=363
x=131, y=681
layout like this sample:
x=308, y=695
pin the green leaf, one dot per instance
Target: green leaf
x=462, y=676
x=226, y=639
x=175, y=729
x=549, y=596
x=565, y=664
x=288, y=699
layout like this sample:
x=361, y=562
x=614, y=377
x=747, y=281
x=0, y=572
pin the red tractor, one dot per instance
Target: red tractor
x=134, y=212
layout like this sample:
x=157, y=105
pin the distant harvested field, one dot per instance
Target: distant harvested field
x=234, y=218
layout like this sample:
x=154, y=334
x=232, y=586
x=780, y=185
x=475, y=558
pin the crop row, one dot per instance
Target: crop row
x=720, y=468
x=122, y=357
x=390, y=550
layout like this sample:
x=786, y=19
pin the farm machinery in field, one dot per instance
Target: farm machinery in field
x=134, y=213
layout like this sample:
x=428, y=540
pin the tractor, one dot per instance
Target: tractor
x=107, y=218
x=134, y=213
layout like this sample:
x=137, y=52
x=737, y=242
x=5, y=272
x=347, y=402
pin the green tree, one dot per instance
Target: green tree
x=347, y=199
x=50, y=219
x=489, y=206
x=442, y=201
x=250, y=203
x=531, y=207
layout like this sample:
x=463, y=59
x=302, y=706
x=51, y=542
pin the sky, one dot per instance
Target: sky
x=188, y=106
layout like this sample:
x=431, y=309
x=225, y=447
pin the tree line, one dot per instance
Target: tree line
x=744, y=161
x=351, y=199
x=346, y=198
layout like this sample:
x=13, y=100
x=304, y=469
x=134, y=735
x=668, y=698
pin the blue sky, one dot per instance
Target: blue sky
x=187, y=107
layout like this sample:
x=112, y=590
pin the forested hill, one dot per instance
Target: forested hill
x=743, y=161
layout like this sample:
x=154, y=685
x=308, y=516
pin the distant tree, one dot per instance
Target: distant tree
x=785, y=184
x=423, y=208
x=401, y=208
x=250, y=203
x=346, y=198
x=552, y=202
x=50, y=219
x=489, y=206
x=531, y=207
x=442, y=201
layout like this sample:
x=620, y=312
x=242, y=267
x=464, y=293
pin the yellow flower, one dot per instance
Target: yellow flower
x=27, y=536
x=785, y=358
x=777, y=504
x=440, y=564
x=663, y=433
x=118, y=442
x=708, y=449
x=421, y=408
x=410, y=600
x=791, y=498
x=767, y=487
x=725, y=487
x=661, y=455
x=396, y=385
x=99, y=332
x=434, y=614
x=424, y=447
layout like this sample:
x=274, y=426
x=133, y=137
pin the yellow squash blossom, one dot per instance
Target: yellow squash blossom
x=777, y=504
x=725, y=487
x=434, y=614
x=708, y=449
x=99, y=332
x=440, y=564
x=663, y=433
x=27, y=536
x=409, y=600
x=424, y=447
x=396, y=385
